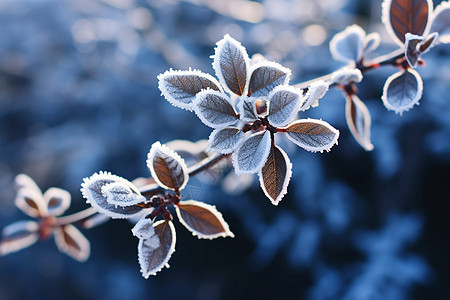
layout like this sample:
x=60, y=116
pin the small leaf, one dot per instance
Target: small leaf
x=265, y=76
x=252, y=154
x=371, y=43
x=347, y=45
x=359, y=120
x=168, y=169
x=31, y=202
x=122, y=194
x=215, y=109
x=403, y=16
x=152, y=258
x=58, y=201
x=316, y=91
x=312, y=135
x=402, y=91
x=284, y=102
x=91, y=189
x=231, y=64
x=411, y=52
x=441, y=22
x=428, y=42
x=203, y=220
x=180, y=87
x=346, y=75
x=144, y=230
x=18, y=235
x=274, y=177
x=247, y=109
x=225, y=140
x=72, y=242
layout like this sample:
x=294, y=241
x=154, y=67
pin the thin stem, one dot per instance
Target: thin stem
x=76, y=217
x=206, y=163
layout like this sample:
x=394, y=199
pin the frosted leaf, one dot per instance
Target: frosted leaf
x=18, y=235
x=401, y=17
x=371, y=43
x=441, y=22
x=58, y=201
x=347, y=45
x=312, y=135
x=247, y=109
x=215, y=109
x=153, y=259
x=274, y=177
x=252, y=154
x=91, y=189
x=225, y=140
x=411, y=52
x=402, y=91
x=31, y=202
x=144, y=230
x=428, y=42
x=94, y=221
x=168, y=169
x=72, y=242
x=203, y=220
x=316, y=91
x=284, y=102
x=121, y=194
x=231, y=64
x=25, y=181
x=345, y=76
x=180, y=87
x=265, y=76
x=359, y=121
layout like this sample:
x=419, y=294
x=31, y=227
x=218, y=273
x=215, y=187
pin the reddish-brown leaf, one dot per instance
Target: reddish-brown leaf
x=72, y=242
x=403, y=16
x=203, y=220
x=154, y=256
x=274, y=177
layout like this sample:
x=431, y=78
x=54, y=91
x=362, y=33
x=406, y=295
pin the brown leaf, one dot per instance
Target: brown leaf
x=168, y=169
x=358, y=120
x=274, y=177
x=72, y=242
x=403, y=16
x=231, y=64
x=154, y=256
x=203, y=220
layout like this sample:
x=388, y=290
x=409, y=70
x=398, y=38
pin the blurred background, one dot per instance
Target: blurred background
x=78, y=94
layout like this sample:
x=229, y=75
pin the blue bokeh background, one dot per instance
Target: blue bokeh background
x=78, y=94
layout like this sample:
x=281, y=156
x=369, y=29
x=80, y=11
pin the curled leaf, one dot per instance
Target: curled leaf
x=168, y=169
x=316, y=91
x=358, y=120
x=312, y=135
x=58, y=201
x=265, y=76
x=428, y=43
x=252, y=154
x=225, y=140
x=122, y=194
x=152, y=256
x=231, y=63
x=144, y=230
x=247, y=109
x=91, y=189
x=274, y=177
x=402, y=91
x=18, y=235
x=214, y=109
x=180, y=87
x=412, y=54
x=72, y=242
x=346, y=75
x=284, y=102
x=403, y=16
x=441, y=22
x=203, y=220
x=347, y=45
